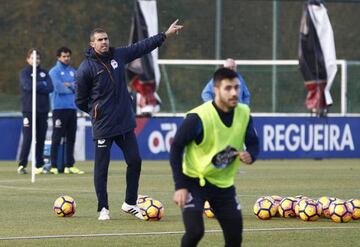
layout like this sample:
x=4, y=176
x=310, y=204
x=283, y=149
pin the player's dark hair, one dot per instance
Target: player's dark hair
x=62, y=50
x=96, y=30
x=223, y=73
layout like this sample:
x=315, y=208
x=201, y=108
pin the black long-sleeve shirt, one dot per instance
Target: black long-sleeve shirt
x=192, y=129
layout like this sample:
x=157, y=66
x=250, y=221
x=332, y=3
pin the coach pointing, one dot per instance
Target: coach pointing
x=102, y=93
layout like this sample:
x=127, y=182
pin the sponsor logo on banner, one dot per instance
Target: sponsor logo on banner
x=313, y=137
x=160, y=140
x=279, y=137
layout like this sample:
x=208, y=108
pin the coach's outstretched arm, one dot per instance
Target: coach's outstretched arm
x=145, y=46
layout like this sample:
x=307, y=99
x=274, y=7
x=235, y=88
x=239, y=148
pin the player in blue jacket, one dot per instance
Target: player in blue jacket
x=64, y=111
x=208, y=92
x=102, y=92
x=43, y=88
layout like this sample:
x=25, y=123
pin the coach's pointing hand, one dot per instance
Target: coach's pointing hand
x=174, y=28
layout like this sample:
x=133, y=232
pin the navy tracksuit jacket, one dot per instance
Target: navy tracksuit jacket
x=43, y=88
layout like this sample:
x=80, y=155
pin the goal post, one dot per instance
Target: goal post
x=271, y=80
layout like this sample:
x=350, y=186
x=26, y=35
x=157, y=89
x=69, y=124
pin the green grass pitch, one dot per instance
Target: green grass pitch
x=27, y=219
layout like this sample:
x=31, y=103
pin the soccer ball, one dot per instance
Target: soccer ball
x=64, y=206
x=340, y=211
x=297, y=207
x=355, y=204
x=287, y=207
x=152, y=209
x=208, y=211
x=325, y=202
x=299, y=197
x=277, y=200
x=309, y=210
x=265, y=208
x=142, y=198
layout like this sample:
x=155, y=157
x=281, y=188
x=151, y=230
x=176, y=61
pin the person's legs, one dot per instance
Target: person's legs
x=194, y=227
x=228, y=213
x=102, y=160
x=41, y=128
x=70, y=134
x=193, y=218
x=129, y=146
x=57, y=134
x=26, y=142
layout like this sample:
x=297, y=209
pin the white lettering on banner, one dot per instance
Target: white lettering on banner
x=156, y=142
x=347, y=139
x=335, y=133
x=317, y=137
x=269, y=135
x=326, y=137
x=280, y=137
x=306, y=147
x=159, y=141
x=292, y=146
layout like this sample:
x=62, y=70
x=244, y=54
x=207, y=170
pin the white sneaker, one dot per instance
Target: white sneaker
x=104, y=214
x=21, y=170
x=132, y=209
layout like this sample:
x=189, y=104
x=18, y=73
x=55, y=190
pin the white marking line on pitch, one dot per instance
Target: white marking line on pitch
x=52, y=177
x=39, y=189
x=169, y=233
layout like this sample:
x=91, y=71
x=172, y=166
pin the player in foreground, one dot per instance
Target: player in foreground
x=206, y=152
x=102, y=92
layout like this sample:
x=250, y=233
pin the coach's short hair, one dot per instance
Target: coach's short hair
x=62, y=50
x=223, y=73
x=96, y=30
x=30, y=51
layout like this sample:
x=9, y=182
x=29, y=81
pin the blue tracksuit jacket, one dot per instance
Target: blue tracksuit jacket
x=62, y=97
